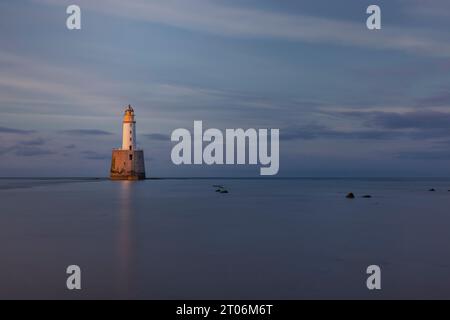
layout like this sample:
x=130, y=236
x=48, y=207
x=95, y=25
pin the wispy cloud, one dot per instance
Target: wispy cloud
x=234, y=21
x=33, y=142
x=425, y=120
x=376, y=125
x=157, y=136
x=313, y=132
x=25, y=148
x=31, y=151
x=440, y=99
x=86, y=132
x=21, y=150
x=33, y=81
x=425, y=155
x=434, y=9
x=93, y=155
x=15, y=131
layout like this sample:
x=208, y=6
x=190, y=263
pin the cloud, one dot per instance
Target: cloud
x=21, y=150
x=29, y=82
x=423, y=120
x=15, y=131
x=441, y=99
x=25, y=148
x=321, y=132
x=425, y=155
x=224, y=19
x=34, y=142
x=417, y=125
x=31, y=151
x=179, y=102
x=434, y=9
x=92, y=155
x=86, y=132
x=157, y=136
x=377, y=125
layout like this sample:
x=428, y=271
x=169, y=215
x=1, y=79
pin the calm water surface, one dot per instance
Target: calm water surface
x=265, y=239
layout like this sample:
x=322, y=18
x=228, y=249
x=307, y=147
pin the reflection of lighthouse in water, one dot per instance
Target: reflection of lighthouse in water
x=124, y=271
x=128, y=163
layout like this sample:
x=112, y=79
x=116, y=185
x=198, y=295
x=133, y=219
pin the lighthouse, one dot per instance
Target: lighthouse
x=128, y=162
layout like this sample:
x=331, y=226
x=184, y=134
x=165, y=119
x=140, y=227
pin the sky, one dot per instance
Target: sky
x=349, y=102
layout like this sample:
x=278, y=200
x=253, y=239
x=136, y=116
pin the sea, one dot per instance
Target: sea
x=262, y=239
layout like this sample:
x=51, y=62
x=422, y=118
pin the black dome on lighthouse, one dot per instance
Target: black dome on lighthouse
x=129, y=109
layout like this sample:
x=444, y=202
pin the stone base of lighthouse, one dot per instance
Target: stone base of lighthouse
x=127, y=165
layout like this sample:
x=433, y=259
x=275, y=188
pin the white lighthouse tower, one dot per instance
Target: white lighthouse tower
x=129, y=130
x=128, y=162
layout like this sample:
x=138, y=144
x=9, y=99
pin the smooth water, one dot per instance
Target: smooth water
x=265, y=239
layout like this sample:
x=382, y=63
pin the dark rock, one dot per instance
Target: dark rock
x=350, y=196
x=368, y=196
x=432, y=190
x=224, y=191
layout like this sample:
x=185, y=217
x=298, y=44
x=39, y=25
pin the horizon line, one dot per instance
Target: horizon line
x=221, y=177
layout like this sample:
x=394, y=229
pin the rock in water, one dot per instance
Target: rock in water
x=368, y=196
x=350, y=196
x=224, y=191
x=432, y=190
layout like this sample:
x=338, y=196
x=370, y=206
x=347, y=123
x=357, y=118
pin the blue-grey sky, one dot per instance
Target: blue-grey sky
x=348, y=101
